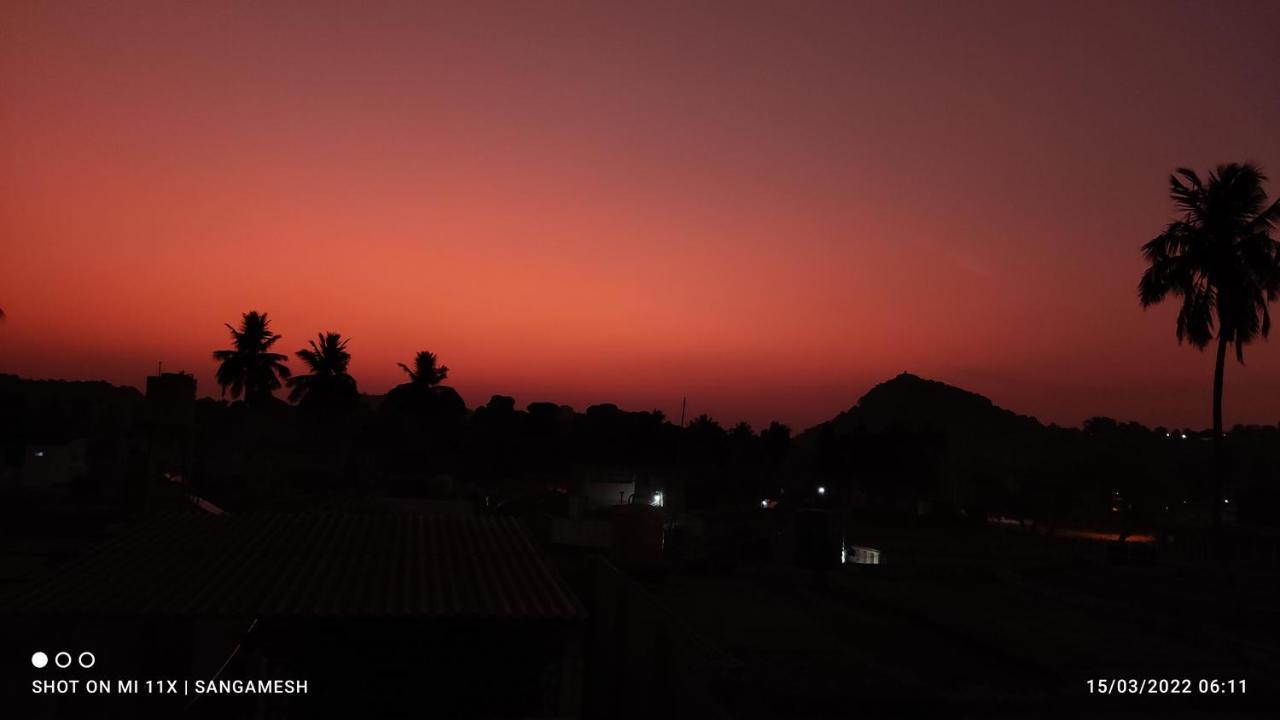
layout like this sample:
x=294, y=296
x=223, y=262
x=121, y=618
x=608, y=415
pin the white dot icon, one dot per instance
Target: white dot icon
x=39, y=659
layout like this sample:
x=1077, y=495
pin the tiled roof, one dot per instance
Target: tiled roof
x=310, y=564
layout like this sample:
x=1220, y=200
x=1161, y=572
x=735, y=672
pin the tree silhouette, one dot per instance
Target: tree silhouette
x=425, y=371
x=250, y=368
x=1221, y=260
x=328, y=382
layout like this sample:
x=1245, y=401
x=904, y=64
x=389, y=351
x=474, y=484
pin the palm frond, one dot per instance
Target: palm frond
x=1218, y=256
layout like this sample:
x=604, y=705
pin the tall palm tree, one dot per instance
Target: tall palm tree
x=1220, y=259
x=249, y=367
x=426, y=372
x=328, y=380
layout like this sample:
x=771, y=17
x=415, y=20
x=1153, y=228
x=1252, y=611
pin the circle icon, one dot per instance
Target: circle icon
x=58, y=660
x=90, y=663
x=39, y=659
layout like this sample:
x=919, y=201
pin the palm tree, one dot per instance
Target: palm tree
x=425, y=371
x=250, y=368
x=1220, y=259
x=328, y=380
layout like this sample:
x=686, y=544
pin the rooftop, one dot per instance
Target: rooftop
x=309, y=565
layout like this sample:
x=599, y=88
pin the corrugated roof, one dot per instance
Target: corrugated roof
x=310, y=564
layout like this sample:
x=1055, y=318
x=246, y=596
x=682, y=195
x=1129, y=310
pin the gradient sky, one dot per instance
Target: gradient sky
x=765, y=207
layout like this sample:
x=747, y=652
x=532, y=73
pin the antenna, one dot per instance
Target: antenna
x=683, y=401
x=160, y=368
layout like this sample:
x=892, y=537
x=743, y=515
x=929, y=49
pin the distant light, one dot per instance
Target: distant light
x=657, y=500
x=822, y=490
x=1184, y=436
x=39, y=453
x=1167, y=435
x=764, y=504
x=1228, y=502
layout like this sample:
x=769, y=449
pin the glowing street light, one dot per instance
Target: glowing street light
x=657, y=500
x=822, y=490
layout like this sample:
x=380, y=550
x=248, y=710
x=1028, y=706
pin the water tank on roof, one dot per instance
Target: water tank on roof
x=171, y=399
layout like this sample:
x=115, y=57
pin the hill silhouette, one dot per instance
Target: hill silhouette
x=910, y=439
x=915, y=402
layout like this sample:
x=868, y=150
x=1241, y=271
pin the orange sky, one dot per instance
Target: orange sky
x=766, y=208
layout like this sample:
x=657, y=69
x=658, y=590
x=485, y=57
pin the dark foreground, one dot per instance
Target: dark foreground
x=992, y=623
x=412, y=614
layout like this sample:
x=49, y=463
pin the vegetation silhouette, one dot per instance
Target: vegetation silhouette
x=420, y=424
x=1220, y=259
x=249, y=368
x=423, y=395
x=328, y=385
x=426, y=370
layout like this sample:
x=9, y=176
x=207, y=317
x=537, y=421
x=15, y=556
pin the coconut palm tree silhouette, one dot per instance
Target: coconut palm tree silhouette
x=249, y=368
x=328, y=382
x=426, y=370
x=1220, y=259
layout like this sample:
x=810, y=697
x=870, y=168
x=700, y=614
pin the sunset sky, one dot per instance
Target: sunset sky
x=765, y=207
